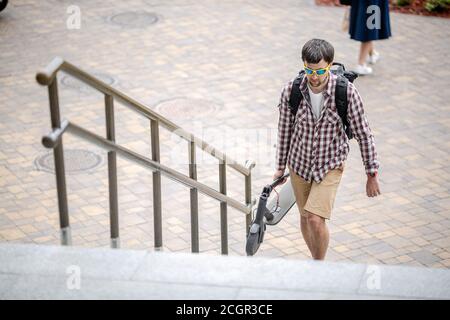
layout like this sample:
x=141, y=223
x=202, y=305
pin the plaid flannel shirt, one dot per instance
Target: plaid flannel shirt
x=313, y=147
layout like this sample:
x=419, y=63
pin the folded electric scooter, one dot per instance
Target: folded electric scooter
x=269, y=214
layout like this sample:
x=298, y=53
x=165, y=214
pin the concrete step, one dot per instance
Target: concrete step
x=57, y=272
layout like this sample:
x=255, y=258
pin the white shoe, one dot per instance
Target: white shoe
x=363, y=70
x=374, y=57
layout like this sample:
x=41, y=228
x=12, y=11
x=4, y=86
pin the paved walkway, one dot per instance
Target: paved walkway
x=231, y=59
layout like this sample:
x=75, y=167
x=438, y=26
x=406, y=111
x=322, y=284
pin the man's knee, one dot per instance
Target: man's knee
x=314, y=221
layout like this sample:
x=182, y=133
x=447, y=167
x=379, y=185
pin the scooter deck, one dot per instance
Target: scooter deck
x=285, y=203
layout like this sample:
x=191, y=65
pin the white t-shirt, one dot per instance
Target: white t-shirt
x=316, y=102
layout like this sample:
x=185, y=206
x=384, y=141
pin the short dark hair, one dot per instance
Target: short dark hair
x=317, y=49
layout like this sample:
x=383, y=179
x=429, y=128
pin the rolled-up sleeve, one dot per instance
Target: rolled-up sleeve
x=361, y=130
x=285, y=125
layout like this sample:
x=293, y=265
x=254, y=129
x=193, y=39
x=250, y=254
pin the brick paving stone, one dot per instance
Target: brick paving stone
x=424, y=257
x=210, y=52
x=378, y=248
x=446, y=263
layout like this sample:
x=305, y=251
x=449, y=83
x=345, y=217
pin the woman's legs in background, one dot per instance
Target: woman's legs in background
x=372, y=49
x=364, y=55
x=364, y=51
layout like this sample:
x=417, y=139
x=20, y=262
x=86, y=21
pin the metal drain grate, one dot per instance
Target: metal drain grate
x=75, y=84
x=187, y=108
x=75, y=161
x=134, y=19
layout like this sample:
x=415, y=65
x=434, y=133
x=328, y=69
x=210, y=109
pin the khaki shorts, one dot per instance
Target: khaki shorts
x=317, y=198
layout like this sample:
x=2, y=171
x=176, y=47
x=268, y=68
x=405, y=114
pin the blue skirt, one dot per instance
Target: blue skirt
x=369, y=26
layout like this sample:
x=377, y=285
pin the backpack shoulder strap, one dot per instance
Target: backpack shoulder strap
x=342, y=103
x=296, y=95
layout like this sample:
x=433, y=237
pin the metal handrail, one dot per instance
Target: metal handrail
x=54, y=140
x=46, y=76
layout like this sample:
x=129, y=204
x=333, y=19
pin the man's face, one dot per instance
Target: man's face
x=314, y=79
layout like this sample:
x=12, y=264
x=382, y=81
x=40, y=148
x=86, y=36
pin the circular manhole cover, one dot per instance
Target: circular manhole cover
x=75, y=160
x=134, y=19
x=187, y=108
x=73, y=83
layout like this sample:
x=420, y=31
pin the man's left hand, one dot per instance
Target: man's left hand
x=372, y=187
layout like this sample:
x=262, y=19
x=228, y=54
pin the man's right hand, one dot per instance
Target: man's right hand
x=278, y=174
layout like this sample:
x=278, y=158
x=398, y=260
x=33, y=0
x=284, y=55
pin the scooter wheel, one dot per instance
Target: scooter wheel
x=252, y=244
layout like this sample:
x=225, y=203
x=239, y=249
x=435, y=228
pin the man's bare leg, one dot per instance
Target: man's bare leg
x=305, y=232
x=319, y=236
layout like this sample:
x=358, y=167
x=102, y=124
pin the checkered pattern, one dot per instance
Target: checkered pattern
x=312, y=148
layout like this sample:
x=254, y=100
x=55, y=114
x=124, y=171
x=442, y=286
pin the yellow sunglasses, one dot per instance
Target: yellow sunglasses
x=319, y=72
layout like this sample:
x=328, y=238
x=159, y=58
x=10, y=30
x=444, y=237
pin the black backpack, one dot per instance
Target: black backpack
x=341, y=93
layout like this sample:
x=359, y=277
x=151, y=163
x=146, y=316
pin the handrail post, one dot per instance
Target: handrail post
x=58, y=154
x=248, y=202
x=157, y=217
x=194, y=198
x=112, y=174
x=248, y=195
x=223, y=207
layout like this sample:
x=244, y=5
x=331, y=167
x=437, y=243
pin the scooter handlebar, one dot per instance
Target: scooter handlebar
x=278, y=181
